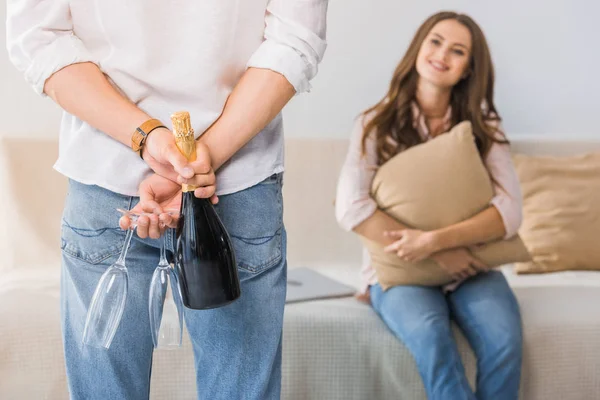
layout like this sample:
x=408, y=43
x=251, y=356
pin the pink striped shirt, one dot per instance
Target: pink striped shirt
x=354, y=203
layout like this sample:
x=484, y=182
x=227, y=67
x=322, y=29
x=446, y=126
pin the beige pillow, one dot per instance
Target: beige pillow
x=430, y=186
x=561, y=210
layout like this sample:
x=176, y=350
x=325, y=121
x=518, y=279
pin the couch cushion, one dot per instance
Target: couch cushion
x=430, y=186
x=32, y=199
x=312, y=166
x=561, y=209
x=332, y=349
x=31, y=350
x=340, y=349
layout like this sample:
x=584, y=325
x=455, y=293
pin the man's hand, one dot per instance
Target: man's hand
x=204, y=174
x=160, y=202
x=157, y=195
x=459, y=263
x=163, y=156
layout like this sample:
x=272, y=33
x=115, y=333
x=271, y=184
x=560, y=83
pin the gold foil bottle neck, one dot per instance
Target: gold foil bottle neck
x=185, y=140
x=182, y=125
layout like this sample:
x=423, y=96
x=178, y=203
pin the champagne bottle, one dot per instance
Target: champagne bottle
x=204, y=256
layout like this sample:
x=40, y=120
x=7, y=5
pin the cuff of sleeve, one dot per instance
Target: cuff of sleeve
x=284, y=60
x=510, y=217
x=361, y=213
x=63, y=51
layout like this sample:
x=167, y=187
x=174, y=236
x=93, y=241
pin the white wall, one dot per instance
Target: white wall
x=546, y=52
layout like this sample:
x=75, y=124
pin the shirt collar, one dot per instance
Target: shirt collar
x=420, y=124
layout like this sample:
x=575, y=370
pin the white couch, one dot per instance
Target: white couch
x=335, y=349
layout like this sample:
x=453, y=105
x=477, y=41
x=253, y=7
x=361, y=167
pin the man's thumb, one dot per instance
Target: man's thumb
x=179, y=162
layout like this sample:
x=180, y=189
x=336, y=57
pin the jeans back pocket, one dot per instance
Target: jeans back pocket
x=90, y=228
x=254, y=219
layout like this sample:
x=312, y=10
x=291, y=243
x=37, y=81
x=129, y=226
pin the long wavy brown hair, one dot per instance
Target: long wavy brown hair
x=472, y=98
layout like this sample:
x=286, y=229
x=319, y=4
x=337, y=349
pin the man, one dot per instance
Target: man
x=119, y=69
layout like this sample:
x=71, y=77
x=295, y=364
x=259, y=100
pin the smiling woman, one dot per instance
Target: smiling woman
x=446, y=77
x=444, y=55
x=450, y=52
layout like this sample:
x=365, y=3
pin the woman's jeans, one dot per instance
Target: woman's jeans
x=237, y=348
x=486, y=311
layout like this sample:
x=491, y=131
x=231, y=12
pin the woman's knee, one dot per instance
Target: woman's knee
x=411, y=312
x=422, y=331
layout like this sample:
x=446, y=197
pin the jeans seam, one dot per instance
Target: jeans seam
x=252, y=241
x=94, y=261
x=77, y=254
x=266, y=264
x=475, y=331
x=459, y=376
x=88, y=232
x=274, y=179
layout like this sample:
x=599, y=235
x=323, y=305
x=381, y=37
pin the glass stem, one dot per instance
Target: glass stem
x=121, y=259
x=163, y=250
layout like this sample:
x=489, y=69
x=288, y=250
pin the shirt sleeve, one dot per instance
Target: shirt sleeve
x=353, y=202
x=294, y=40
x=40, y=39
x=507, y=198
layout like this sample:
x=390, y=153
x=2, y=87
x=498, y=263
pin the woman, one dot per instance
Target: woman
x=445, y=77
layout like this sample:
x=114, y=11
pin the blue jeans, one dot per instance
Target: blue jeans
x=486, y=311
x=237, y=348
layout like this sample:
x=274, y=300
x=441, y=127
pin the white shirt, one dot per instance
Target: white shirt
x=167, y=56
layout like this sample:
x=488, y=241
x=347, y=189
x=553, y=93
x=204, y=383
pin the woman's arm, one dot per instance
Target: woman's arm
x=504, y=216
x=483, y=227
x=355, y=209
x=375, y=226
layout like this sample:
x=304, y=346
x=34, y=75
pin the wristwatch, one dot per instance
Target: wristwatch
x=138, y=139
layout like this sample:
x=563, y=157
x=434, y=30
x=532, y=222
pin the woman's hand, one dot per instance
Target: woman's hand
x=411, y=244
x=459, y=263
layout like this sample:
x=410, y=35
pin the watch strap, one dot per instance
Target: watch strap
x=140, y=135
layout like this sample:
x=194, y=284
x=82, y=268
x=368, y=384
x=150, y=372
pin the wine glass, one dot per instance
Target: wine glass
x=108, y=302
x=165, y=305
